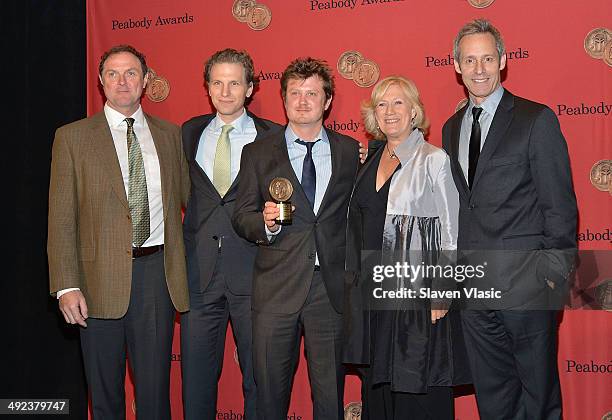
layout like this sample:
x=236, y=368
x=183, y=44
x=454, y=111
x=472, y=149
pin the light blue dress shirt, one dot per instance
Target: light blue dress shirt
x=321, y=156
x=489, y=106
x=244, y=132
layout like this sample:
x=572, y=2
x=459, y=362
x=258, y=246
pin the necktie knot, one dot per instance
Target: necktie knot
x=226, y=129
x=129, y=122
x=476, y=111
x=309, y=145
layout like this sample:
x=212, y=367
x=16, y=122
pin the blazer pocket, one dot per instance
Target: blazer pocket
x=87, y=254
x=506, y=160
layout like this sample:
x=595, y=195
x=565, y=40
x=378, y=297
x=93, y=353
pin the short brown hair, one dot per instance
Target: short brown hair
x=124, y=48
x=303, y=68
x=409, y=89
x=230, y=55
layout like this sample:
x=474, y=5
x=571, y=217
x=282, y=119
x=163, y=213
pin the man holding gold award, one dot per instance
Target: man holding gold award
x=300, y=178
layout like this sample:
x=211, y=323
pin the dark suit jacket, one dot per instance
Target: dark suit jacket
x=522, y=198
x=90, y=230
x=284, y=266
x=208, y=231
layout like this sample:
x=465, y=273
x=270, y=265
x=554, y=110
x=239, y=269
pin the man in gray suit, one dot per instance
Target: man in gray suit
x=511, y=166
x=299, y=268
x=219, y=262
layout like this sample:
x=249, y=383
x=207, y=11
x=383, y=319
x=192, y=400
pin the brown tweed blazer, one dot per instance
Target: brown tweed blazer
x=90, y=231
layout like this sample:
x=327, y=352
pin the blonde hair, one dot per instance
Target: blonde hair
x=411, y=92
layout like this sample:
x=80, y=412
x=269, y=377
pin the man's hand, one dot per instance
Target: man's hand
x=74, y=307
x=363, y=152
x=270, y=213
x=437, y=314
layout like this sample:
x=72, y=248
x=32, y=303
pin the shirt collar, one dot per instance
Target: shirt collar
x=407, y=149
x=239, y=124
x=489, y=105
x=291, y=137
x=116, y=119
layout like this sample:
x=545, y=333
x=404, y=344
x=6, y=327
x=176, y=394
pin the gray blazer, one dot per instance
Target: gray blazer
x=522, y=198
x=209, y=236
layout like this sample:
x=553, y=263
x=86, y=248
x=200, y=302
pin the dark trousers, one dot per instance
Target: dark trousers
x=145, y=331
x=513, y=357
x=380, y=403
x=203, y=331
x=276, y=347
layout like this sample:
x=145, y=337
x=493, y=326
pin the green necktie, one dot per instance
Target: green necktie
x=222, y=178
x=138, y=198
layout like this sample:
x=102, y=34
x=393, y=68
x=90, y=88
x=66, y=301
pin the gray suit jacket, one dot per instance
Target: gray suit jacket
x=209, y=236
x=284, y=268
x=522, y=202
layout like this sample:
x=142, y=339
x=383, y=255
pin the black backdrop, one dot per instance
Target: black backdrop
x=42, y=86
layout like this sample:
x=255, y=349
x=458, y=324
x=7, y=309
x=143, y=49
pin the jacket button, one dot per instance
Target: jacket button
x=216, y=238
x=222, y=203
x=472, y=207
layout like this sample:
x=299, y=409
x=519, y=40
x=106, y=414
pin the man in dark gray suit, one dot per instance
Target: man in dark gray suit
x=511, y=167
x=298, y=276
x=219, y=262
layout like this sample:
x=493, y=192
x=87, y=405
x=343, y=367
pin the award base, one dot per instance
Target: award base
x=285, y=213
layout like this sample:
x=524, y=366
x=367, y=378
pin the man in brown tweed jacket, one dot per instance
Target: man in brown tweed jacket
x=116, y=256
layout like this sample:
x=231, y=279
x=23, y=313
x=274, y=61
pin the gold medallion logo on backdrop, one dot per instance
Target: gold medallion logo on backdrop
x=607, y=53
x=353, y=66
x=598, y=45
x=158, y=87
x=601, y=175
x=352, y=411
x=480, y=4
x=256, y=15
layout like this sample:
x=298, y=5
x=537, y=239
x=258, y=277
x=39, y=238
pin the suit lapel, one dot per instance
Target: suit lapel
x=107, y=154
x=160, y=139
x=262, y=129
x=205, y=184
x=499, y=126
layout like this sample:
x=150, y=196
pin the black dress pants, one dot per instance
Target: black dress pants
x=513, y=358
x=145, y=333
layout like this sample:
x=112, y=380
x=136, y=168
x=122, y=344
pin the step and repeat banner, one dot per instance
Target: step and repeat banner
x=559, y=54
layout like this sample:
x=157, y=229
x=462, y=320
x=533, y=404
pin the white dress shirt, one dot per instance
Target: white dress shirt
x=118, y=129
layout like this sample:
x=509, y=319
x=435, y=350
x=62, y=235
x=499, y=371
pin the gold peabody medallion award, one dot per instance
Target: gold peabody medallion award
x=281, y=191
x=595, y=41
x=256, y=16
x=158, y=87
x=480, y=4
x=352, y=411
x=601, y=175
x=353, y=66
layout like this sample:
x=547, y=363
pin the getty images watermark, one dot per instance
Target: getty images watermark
x=405, y=273
x=542, y=279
